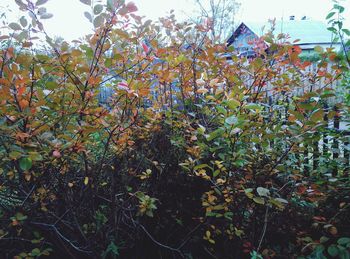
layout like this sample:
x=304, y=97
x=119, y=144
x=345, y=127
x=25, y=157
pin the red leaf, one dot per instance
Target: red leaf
x=145, y=47
x=301, y=189
x=21, y=90
x=131, y=7
x=56, y=153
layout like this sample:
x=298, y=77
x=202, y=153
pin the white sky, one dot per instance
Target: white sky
x=70, y=23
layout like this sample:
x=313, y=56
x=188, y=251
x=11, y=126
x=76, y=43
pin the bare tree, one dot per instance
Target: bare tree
x=219, y=15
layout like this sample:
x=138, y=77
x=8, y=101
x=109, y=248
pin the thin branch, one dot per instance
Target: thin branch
x=264, y=228
x=62, y=236
x=160, y=244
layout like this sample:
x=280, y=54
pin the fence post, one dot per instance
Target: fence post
x=325, y=132
x=306, y=158
x=335, y=144
x=346, y=153
x=271, y=116
x=315, y=152
x=286, y=108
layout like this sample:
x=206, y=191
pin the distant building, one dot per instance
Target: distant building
x=310, y=33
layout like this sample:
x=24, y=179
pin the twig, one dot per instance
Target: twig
x=264, y=228
x=22, y=239
x=309, y=244
x=61, y=217
x=160, y=244
x=210, y=253
x=188, y=236
x=62, y=236
x=31, y=191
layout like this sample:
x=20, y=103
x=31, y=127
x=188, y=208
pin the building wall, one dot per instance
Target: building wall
x=244, y=42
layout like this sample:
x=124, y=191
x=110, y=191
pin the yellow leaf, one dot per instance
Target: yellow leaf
x=207, y=233
x=333, y=230
x=202, y=91
x=259, y=200
x=86, y=180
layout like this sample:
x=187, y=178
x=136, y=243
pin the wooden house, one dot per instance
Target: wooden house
x=305, y=33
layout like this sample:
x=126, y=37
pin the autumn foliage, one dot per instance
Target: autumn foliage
x=194, y=152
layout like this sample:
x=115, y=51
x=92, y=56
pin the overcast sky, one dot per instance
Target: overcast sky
x=69, y=22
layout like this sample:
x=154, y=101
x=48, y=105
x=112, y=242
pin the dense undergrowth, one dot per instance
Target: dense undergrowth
x=192, y=156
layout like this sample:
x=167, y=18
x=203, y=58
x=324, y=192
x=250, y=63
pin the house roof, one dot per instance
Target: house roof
x=307, y=31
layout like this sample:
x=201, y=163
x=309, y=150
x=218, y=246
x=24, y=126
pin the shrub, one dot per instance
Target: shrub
x=191, y=156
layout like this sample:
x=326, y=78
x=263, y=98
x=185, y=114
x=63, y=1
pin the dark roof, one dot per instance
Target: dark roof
x=240, y=29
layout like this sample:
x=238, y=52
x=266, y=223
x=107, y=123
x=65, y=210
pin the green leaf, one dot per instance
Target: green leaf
x=268, y=39
x=334, y=30
x=46, y=16
x=110, y=5
x=306, y=106
x=323, y=239
x=233, y=103
x=108, y=62
x=343, y=240
x=51, y=85
x=253, y=106
x=98, y=21
x=276, y=203
x=339, y=8
x=333, y=251
x=23, y=21
x=346, y=31
x=216, y=133
x=221, y=109
x=259, y=200
x=248, y=190
x=330, y=15
x=14, y=154
x=113, y=4
x=231, y=120
x=317, y=115
x=344, y=254
x=40, y=2
x=36, y=252
x=210, y=214
x=19, y=216
x=35, y=156
x=15, y=26
x=98, y=9
x=112, y=249
x=263, y=191
x=122, y=33
x=25, y=163
x=281, y=200
x=216, y=173
x=319, y=49
x=201, y=129
x=87, y=2
x=197, y=167
x=88, y=16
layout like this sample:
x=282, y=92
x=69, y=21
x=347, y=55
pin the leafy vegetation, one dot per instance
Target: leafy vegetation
x=189, y=156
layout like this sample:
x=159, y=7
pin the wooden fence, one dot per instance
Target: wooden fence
x=325, y=151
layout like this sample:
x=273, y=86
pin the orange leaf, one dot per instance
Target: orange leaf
x=21, y=90
x=23, y=103
x=22, y=136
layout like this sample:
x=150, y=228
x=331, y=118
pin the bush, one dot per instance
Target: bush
x=190, y=156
